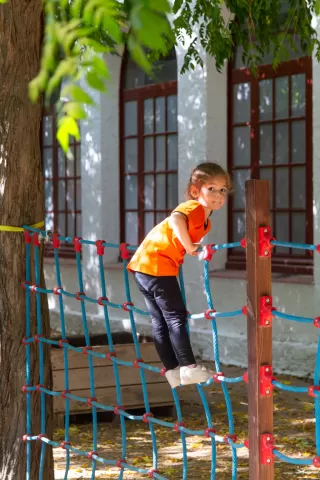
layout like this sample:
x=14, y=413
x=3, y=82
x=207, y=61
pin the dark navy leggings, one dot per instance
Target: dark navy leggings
x=169, y=319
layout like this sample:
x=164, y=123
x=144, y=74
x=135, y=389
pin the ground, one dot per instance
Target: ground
x=294, y=435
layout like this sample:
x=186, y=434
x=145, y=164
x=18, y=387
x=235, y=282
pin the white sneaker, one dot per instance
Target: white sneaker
x=198, y=374
x=173, y=377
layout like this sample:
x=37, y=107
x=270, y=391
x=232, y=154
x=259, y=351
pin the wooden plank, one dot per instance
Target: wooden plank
x=259, y=338
x=79, y=378
x=124, y=352
x=159, y=394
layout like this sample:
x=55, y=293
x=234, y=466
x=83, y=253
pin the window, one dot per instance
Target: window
x=270, y=137
x=148, y=147
x=62, y=179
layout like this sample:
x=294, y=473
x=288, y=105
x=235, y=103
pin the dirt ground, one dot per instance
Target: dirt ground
x=294, y=429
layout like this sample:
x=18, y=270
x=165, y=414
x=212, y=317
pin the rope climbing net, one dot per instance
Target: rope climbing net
x=268, y=451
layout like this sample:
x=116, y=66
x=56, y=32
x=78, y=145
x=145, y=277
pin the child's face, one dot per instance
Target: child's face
x=212, y=195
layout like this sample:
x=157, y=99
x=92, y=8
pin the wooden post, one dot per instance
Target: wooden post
x=260, y=404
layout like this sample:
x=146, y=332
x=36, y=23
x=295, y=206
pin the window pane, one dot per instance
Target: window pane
x=172, y=152
x=148, y=115
x=299, y=187
x=78, y=194
x=148, y=154
x=298, y=142
x=61, y=163
x=61, y=224
x=240, y=176
x=241, y=102
x=70, y=195
x=78, y=231
x=48, y=191
x=131, y=228
x=266, y=150
x=78, y=160
x=70, y=225
x=282, y=143
x=298, y=95
x=239, y=227
x=161, y=152
x=282, y=187
x=130, y=155
x=160, y=114
x=172, y=185
x=266, y=174
x=164, y=70
x=298, y=231
x=148, y=222
x=130, y=192
x=47, y=162
x=265, y=103
x=172, y=113
x=130, y=118
x=161, y=191
x=49, y=221
x=282, y=97
x=47, y=130
x=160, y=216
x=70, y=167
x=282, y=230
x=149, y=192
x=241, y=146
x=61, y=195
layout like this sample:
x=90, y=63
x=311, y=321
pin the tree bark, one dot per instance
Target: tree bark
x=21, y=202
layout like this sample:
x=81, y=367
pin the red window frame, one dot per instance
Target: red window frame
x=288, y=264
x=140, y=94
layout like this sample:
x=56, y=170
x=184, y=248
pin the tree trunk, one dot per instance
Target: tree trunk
x=21, y=202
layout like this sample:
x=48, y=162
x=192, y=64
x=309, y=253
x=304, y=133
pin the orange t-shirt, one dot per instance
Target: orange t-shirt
x=161, y=253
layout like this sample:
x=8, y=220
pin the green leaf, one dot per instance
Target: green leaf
x=95, y=82
x=160, y=5
x=113, y=28
x=150, y=28
x=77, y=94
x=96, y=46
x=317, y=7
x=100, y=66
x=138, y=54
x=74, y=109
x=67, y=126
x=76, y=7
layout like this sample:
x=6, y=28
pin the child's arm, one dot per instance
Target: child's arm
x=179, y=225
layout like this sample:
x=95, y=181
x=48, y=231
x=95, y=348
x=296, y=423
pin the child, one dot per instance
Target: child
x=156, y=262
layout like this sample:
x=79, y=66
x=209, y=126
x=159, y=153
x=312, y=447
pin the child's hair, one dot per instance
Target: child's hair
x=202, y=173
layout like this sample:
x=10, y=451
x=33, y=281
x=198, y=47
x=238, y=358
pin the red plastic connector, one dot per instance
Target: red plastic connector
x=90, y=454
x=208, y=431
x=100, y=247
x=78, y=295
x=177, y=425
x=125, y=306
x=38, y=387
x=312, y=389
x=111, y=354
x=216, y=375
x=24, y=341
x=33, y=288
x=316, y=462
x=265, y=239
x=24, y=389
x=77, y=244
x=207, y=314
x=243, y=243
x=27, y=236
x=245, y=310
x=102, y=299
x=64, y=393
x=266, y=449
x=62, y=342
x=163, y=371
x=56, y=240
x=36, y=241
x=208, y=252
x=316, y=322
x=64, y=444
x=41, y=435
x=25, y=438
x=230, y=436
x=137, y=361
x=246, y=444
x=152, y=471
x=146, y=416
x=90, y=400
x=24, y=284
x=124, y=252
x=245, y=377
x=37, y=338
x=85, y=349
x=266, y=309
x=266, y=387
x=318, y=248
x=120, y=461
x=117, y=408
x=57, y=290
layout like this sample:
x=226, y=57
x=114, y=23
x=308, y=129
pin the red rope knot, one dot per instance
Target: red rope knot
x=36, y=241
x=208, y=431
x=137, y=361
x=24, y=389
x=152, y=471
x=100, y=247
x=216, y=375
x=24, y=284
x=316, y=322
x=208, y=251
x=243, y=243
x=85, y=349
x=125, y=306
x=316, y=462
x=229, y=436
x=90, y=454
x=117, y=409
x=27, y=236
x=110, y=355
x=102, y=299
x=38, y=387
x=37, y=338
x=78, y=295
x=25, y=438
x=62, y=342
x=120, y=461
x=56, y=240
x=318, y=248
x=77, y=244
x=245, y=377
x=177, y=426
x=24, y=341
x=312, y=389
x=41, y=435
x=245, y=310
x=64, y=393
x=146, y=416
x=207, y=314
x=124, y=252
x=163, y=371
x=64, y=444
x=90, y=400
x=246, y=444
x=57, y=290
x=34, y=287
